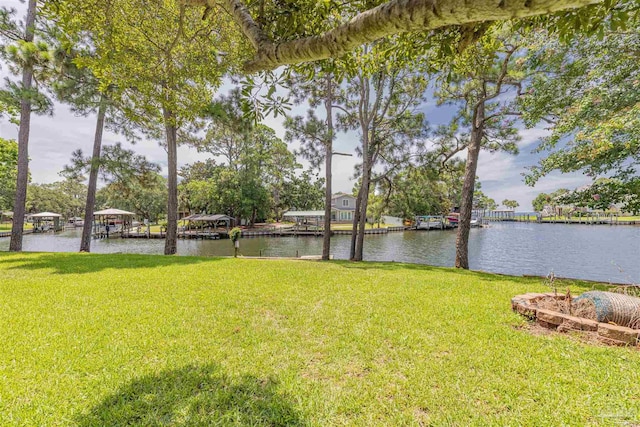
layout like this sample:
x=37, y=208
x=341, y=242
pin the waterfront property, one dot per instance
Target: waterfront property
x=343, y=206
x=151, y=340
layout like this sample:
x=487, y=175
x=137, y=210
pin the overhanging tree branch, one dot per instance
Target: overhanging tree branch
x=392, y=17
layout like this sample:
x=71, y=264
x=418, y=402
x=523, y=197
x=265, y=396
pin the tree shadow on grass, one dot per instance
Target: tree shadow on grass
x=74, y=263
x=195, y=396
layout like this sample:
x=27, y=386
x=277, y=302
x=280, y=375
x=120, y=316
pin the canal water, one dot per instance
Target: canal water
x=606, y=253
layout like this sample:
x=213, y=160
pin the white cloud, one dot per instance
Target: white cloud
x=531, y=136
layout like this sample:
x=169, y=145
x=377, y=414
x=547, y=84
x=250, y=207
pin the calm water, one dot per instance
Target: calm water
x=608, y=253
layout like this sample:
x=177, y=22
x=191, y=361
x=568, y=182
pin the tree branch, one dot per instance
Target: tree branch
x=392, y=17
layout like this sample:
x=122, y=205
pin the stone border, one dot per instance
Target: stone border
x=527, y=305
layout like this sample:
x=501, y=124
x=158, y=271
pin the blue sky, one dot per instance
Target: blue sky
x=53, y=139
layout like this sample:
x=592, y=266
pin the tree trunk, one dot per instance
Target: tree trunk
x=466, y=205
x=354, y=228
x=364, y=202
x=85, y=241
x=254, y=216
x=22, y=180
x=326, y=239
x=171, y=243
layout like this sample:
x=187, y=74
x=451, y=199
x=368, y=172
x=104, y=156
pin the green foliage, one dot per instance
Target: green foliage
x=540, y=201
x=511, y=204
x=19, y=53
x=303, y=193
x=481, y=200
x=489, y=72
x=588, y=90
x=275, y=343
x=415, y=191
x=8, y=172
x=63, y=197
x=256, y=166
x=145, y=195
x=116, y=164
x=235, y=234
x=543, y=199
x=133, y=182
x=605, y=193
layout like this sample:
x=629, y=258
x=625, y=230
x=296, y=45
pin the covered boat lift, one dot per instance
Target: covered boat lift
x=46, y=221
x=207, y=224
x=111, y=221
x=306, y=219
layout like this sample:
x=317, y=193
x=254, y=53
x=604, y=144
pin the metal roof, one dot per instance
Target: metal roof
x=303, y=213
x=113, y=212
x=45, y=215
x=207, y=218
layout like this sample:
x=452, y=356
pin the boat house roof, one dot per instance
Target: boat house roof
x=113, y=212
x=45, y=215
x=207, y=218
x=304, y=214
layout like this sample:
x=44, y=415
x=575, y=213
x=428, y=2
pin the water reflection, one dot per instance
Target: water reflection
x=582, y=251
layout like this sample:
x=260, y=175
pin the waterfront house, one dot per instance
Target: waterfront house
x=343, y=206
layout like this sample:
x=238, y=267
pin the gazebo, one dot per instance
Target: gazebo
x=46, y=221
x=109, y=221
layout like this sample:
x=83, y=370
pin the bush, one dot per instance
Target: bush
x=235, y=233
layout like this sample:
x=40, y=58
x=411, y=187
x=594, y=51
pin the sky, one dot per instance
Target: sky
x=54, y=138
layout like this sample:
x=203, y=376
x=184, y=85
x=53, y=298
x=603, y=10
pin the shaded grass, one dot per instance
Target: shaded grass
x=148, y=340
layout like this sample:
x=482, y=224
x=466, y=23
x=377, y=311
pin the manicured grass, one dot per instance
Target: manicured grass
x=6, y=226
x=586, y=219
x=97, y=340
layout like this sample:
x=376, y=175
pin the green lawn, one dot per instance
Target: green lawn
x=103, y=340
x=6, y=226
x=586, y=219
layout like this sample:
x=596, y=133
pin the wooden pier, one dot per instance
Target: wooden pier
x=585, y=220
x=224, y=234
x=8, y=233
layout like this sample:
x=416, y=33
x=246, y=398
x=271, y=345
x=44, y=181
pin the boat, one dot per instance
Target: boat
x=454, y=220
x=429, y=222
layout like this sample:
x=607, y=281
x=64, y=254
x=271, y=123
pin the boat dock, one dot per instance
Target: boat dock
x=224, y=234
x=8, y=233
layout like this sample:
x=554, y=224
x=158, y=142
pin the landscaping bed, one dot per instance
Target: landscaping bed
x=564, y=313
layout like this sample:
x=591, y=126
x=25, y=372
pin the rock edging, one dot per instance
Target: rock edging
x=527, y=306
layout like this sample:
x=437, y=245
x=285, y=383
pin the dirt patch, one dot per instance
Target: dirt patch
x=580, y=308
x=591, y=338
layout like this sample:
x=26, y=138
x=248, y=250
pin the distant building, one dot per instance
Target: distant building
x=343, y=206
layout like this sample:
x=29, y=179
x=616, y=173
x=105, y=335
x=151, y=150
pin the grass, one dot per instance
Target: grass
x=95, y=340
x=586, y=219
x=6, y=226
